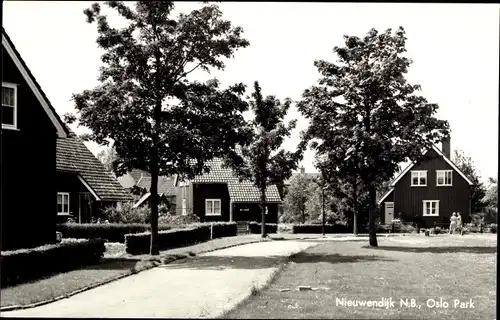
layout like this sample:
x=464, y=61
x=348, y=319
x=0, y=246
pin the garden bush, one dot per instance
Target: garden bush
x=139, y=243
x=178, y=220
x=112, y=232
x=493, y=228
x=317, y=228
x=408, y=228
x=21, y=265
x=256, y=227
x=127, y=214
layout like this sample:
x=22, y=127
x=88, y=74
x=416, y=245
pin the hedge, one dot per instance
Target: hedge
x=317, y=228
x=112, y=232
x=139, y=243
x=21, y=265
x=255, y=227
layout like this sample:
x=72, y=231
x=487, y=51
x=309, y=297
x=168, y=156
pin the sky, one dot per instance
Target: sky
x=454, y=48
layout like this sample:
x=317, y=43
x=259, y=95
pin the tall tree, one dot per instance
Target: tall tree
x=294, y=203
x=363, y=108
x=159, y=120
x=262, y=161
x=465, y=163
x=107, y=156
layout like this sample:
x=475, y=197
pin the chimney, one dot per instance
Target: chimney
x=446, y=146
x=302, y=169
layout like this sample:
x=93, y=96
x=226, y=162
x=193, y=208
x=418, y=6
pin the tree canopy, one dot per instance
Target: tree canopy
x=365, y=118
x=159, y=120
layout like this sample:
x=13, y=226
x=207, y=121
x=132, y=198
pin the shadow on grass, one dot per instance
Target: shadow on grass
x=306, y=257
x=112, y=264
x=235, y=262
x=436, y=249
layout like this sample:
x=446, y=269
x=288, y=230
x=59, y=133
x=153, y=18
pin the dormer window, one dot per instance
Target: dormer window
x=9, y=105
x=444, y=177
x=419, y=178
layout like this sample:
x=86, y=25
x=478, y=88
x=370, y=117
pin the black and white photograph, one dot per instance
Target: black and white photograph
x=249, y=160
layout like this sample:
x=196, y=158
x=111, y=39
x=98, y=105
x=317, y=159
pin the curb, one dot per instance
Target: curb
x=153, y=264
x=41, y=303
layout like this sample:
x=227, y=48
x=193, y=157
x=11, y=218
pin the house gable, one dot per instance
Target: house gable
x=436, y=154
x=10, y=49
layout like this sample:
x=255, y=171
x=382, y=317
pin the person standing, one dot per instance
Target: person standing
x=459, y=223
x=453, y=223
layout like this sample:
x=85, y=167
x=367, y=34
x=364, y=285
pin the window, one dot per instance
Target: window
x=431, y=208
x=443, y=177
x=212, y=207
x=62, y=203
x=9, y=105
x=419, y=178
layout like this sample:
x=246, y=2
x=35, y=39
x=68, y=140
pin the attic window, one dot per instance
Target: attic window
x=9, y=105
x=444, y=177
x=419, y=178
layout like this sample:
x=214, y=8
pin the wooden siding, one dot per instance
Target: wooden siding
x=409, y=200
x=28, y=170
x=202, y=191
x=252, y=212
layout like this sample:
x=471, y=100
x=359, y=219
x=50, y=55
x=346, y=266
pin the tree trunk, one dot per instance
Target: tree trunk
x=154, y=166
x=263, y=208
x=323, y=209
x=355, y=208
x=371, y=217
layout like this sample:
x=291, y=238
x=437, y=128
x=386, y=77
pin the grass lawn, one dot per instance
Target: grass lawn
x=442, y=267
x=115, y=263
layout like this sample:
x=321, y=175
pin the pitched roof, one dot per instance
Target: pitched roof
x=74, y=157
x=166, y=185
x=246, y=192
x=33, y=84
x=243, y=191
x=385, y=196
x=440, y=153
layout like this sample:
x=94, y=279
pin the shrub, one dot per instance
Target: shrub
x=493, y=228
x=112, y=232
x=256, y=227
x=139, y=243
x=408, y=228
x=432, y=231
x=127, y=214
x=27, y=264
x=317, y=228
x=437, y=230
x=423, y=230
x=178, y=220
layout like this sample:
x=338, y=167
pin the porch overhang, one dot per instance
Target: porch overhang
x=89, y=188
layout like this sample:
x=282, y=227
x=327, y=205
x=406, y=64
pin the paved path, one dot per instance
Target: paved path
x=204, y=286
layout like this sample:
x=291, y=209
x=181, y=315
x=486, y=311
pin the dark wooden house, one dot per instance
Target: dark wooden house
x=84, y=186
x=30, y=129
x=38, y=149
x=220, y=196
x=428, y=192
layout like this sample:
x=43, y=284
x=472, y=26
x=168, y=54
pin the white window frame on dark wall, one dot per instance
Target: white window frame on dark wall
x=63, y=195
x=419, y=174
x=14, y=87
x=212, y=211
x=443, y=175
x=436, y=208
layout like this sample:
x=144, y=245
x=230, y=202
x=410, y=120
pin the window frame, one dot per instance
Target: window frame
x=424, y=207
x=213, y=201
x=419, y=175
x=15, y=107
x=62, y=213
x=438, y=172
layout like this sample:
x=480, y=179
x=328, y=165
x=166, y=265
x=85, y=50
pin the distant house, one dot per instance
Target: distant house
x=84, y=186
x=142, y=179
x=220, y=196
x=428, y=191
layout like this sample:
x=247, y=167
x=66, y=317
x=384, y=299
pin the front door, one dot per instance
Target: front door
x=389, y=212
x=84, y=207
